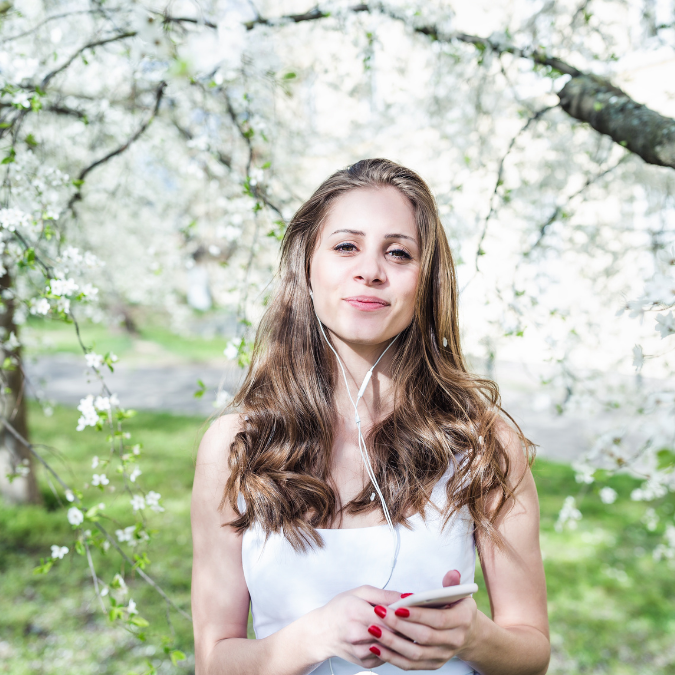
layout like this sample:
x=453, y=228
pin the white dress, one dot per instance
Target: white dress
x=284, y=584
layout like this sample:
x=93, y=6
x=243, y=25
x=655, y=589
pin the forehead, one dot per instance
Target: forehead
x=372, y=210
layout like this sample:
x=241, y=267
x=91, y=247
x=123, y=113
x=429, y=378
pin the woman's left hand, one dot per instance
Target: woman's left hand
x=422, y=638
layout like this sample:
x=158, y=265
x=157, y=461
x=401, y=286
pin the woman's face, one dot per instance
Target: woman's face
x=365, y=266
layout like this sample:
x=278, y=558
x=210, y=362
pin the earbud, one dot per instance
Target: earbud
x=362, y=442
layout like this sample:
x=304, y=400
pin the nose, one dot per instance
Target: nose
x=369, y=268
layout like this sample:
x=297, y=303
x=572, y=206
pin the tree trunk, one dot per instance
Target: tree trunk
x=611, y=111
x=22, y=489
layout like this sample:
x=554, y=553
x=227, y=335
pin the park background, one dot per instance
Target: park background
x=152, y=154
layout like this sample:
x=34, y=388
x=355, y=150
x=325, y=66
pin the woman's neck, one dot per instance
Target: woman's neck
x=357, y=360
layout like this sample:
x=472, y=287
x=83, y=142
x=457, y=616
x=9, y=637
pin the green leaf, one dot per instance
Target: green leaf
x=77, y=182
x=139, y=621
x=44, y=566
x=30, y=140
x=289, y=76
x=176, y=655
x=666, y=459
x=10, y=157
x=202, y=388
x=115, y=613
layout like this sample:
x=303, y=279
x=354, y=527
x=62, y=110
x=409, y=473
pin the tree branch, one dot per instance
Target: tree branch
x=31, y=448
x=611, y=111
x=49, y=76
x=119, y=150
x=585, y=97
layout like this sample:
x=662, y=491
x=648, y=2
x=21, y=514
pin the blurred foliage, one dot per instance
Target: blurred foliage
x=611, y=606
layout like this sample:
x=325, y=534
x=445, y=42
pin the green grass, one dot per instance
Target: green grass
x=611, y=606
x=44, y=336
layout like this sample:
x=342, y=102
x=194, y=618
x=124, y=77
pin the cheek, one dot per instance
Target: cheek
x=326, y=273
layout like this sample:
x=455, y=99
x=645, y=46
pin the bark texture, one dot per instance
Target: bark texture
x=612, y=112
x=13, y=408
x=585, y=97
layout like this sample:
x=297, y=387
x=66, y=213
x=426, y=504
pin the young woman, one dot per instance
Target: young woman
x=365, y=462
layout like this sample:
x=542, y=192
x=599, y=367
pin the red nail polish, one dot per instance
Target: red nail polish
x=381, y=611
x=405, y=595
x=376, y=631
x=375, y=650
x=402, y=611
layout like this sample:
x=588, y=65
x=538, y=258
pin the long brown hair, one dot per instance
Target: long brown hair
x=442, y=415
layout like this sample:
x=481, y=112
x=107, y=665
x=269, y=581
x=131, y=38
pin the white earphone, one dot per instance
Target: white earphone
x=364, y=454
x=362, y=443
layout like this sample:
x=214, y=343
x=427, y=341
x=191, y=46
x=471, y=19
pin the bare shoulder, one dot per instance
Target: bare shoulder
x=515, y=449
x=212, y=469
x=215, y=444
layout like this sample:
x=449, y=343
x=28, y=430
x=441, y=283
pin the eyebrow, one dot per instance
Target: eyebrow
x=393, y=235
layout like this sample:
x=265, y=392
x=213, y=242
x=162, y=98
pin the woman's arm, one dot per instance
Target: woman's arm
x=220, y=597
x=515, y=641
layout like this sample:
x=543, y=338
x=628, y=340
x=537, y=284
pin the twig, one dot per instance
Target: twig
x=119, y=150
x=498, y=182
x=543, y=229
x=30, y=447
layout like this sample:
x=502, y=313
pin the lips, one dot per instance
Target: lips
x=366, y=302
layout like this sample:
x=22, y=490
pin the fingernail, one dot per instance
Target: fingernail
x=381, y=611
x=375, y=650
x=376, y=631
x=402, y=611
x=405, y=595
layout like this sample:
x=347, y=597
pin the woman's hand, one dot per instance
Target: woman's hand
x=422, y=638
x=340, y=627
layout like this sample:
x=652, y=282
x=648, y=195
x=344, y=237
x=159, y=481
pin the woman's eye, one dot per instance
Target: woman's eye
x=344, y=247
x=400, y=253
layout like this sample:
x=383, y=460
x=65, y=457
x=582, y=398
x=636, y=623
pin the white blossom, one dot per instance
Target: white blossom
x=102, y=403
x=134, y=474
x=137, y=502
x=608, y=495
x=10, y=219
x=40, y=306
x=584, y=472
x=650, y=490
x=126, y=534
x=152, y=500
x=89, y=417
x=75, y=516
x=70, y=496
x=231, y=350
x=90, y=292
x=63, y=286
x=59, y=551
x=94, y=461
x=569, y=515
x=63, y=305
x=638, y=357
x=665, y=324
x=94, y=360
x=11, y=343
x=131, y=608
x=99, y=479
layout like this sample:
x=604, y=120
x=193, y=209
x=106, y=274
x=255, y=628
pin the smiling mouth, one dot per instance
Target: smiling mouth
x=366, y=303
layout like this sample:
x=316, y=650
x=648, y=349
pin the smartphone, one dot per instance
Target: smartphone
x=436, y=598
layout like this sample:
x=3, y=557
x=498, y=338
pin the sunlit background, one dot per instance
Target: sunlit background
x=152, y=155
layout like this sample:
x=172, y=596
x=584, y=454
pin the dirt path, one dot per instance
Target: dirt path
x=171, y=387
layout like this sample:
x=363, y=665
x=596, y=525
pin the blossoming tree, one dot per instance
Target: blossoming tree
x=147, y=144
